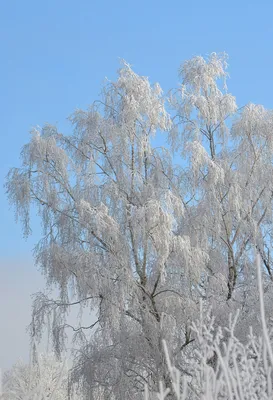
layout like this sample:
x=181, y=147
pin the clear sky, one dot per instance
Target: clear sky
x=55, y=55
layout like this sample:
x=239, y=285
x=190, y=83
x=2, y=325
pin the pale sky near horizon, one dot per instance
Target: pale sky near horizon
x=54, y=58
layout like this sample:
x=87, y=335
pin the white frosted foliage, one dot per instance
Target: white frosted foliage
x=151, y=204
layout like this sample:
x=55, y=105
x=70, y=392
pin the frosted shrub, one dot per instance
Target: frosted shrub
x=221, y=367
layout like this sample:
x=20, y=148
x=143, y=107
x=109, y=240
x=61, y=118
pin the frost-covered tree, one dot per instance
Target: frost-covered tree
x=46, y=379
x=139, y=236
x=227, y=183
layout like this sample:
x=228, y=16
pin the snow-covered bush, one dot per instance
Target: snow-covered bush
x=220, y=366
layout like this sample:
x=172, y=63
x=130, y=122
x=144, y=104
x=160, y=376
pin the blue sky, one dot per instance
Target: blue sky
x=55, y=55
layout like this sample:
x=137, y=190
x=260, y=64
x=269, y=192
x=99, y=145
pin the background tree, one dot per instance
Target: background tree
x=47, y=379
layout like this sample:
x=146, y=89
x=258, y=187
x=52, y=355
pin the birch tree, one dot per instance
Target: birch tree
x=138, y=233
x=228, y=174
x=110, y=239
